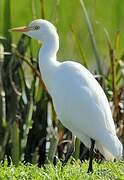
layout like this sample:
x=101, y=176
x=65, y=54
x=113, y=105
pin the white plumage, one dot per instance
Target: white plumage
x=83, y=108
x=79, y=100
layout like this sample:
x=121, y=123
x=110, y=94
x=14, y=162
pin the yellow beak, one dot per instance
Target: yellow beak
x=20, y=29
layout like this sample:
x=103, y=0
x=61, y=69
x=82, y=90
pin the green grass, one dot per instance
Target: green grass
x=72, y=171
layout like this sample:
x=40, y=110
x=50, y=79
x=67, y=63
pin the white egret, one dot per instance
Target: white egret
x=79, y=101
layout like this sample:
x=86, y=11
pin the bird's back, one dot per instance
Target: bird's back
x=76, y=87
x=82, y=106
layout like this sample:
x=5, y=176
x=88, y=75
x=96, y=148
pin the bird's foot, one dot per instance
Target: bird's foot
x=90, y=170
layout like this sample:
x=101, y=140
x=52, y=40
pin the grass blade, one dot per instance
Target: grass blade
x=15, y=143
x=7, y=19
x=42, y=9
x=92, y=37
x=83, y=57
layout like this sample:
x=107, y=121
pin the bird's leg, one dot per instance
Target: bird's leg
x=90, y=168
x=70, y=151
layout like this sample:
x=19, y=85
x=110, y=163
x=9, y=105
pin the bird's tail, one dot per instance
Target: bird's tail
x=111, y=147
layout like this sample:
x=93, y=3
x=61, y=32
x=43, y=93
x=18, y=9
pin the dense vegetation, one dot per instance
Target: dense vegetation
x=29, y=128
x=72, y=171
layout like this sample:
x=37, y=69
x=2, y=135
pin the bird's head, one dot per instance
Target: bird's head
x=38, y=29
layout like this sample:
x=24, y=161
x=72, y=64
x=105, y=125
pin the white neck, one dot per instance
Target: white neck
x=48, y=61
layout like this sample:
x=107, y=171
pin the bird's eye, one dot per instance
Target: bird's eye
x=36, y=27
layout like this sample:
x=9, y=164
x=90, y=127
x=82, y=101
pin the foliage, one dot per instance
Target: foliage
x=72, y=171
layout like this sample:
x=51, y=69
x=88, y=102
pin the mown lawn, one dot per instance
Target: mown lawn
x=72, y=171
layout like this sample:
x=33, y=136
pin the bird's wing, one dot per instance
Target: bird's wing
x=81, y=102
x=83, y=108
x=92, y=117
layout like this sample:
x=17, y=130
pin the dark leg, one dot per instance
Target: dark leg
x=90, y=168
x=70, y=151
x=85, y=154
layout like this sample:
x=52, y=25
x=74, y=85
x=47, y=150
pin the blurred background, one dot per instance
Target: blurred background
x=91, y=32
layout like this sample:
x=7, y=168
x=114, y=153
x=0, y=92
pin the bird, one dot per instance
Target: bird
x=79, y=101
